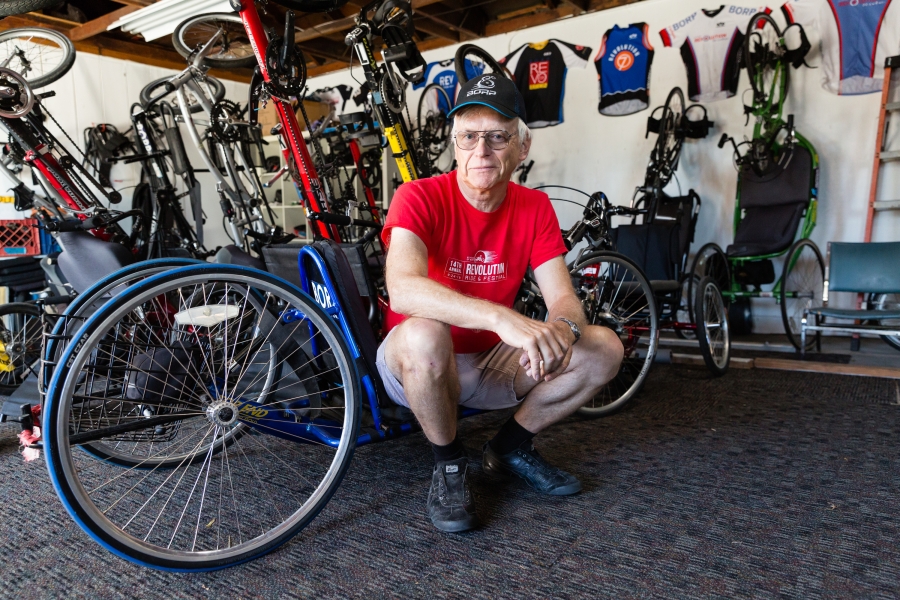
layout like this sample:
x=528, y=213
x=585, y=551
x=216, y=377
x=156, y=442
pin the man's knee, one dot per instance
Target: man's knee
x=598, y=354
x=421, y=345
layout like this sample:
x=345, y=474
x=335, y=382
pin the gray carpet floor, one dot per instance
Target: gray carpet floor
x=759, y=484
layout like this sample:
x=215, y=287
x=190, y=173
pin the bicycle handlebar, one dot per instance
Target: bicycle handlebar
x=333, y=219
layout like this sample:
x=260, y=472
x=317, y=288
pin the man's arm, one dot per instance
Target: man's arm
x=414, y=295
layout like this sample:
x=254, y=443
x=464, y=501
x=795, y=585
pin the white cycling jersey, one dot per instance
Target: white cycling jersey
x=711, y=41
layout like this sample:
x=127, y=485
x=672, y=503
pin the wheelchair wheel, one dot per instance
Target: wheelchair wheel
x=615, y=294
x=21, y=334
x=888, y=302
x=712, y=326
x=802, y=285
x=154, y=368
x=709, y=260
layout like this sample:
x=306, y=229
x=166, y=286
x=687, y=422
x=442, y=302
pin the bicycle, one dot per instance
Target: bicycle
x=777, y=183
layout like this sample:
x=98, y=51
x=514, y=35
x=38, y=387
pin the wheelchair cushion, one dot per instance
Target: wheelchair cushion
x=766, y=230
x=85, y=260
x=350, y=301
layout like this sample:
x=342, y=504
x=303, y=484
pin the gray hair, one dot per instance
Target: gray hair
x=523, y=131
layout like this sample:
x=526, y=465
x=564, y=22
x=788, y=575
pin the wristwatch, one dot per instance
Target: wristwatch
x=575, y=331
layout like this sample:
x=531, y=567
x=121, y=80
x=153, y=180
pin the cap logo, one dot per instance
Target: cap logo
x=484, y=86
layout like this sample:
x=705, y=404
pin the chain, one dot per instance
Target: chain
x=55, y=122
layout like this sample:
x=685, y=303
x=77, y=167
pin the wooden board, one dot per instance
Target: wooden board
x=834, y=369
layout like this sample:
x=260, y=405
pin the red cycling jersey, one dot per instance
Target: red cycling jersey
x=479, y=254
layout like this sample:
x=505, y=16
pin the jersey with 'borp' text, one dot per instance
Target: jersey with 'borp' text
x=711, y=43
x=623, y=69
x=479, y=254
x=540, y=71
x=854, y=36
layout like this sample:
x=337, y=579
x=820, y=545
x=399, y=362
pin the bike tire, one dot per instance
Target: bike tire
x=53, y=41
x=712, y=326
x=615, y=293
x=216, y=89
x=803, y=273
x=670, y=137
x=759, y=92
x=21, y=333
x=467, y=50
x=888, y=302
x=236, y=51
x=709, y=260
x=270, y=509
x=19, y=7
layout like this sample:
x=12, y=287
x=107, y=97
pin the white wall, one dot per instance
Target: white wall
x=594, y=152
x=100, y=89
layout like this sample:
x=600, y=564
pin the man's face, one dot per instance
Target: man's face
x=483, y=168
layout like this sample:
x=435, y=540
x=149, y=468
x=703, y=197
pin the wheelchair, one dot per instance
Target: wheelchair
x=206, y=414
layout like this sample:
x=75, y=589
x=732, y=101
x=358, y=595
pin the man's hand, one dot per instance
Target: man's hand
x=547, y=347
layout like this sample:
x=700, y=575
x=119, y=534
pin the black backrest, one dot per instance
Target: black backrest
x=790, y=185
x=85, y=260
x=653, y=246
x=350, y=300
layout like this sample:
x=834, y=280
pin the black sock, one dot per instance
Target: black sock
x=452, y=451
x=511, y=436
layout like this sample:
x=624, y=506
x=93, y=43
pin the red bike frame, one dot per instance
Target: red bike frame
x=290, y=128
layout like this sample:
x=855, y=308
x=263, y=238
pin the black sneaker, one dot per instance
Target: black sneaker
x=450, y=504
x=526, y=463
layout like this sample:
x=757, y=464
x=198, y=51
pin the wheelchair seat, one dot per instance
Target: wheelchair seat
x=773, y=205
x=86, y=259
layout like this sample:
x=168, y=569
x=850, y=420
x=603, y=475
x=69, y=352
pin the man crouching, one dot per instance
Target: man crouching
x=460, y=245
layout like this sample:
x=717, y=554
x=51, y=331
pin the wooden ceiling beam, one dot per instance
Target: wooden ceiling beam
x=440, y=20
x=436, y=29
x=138, y=3
x=348, y=22
x=99, y=25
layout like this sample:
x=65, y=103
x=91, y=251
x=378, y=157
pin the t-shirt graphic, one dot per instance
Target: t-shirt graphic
x=854, y=37
x=623, y=69
x=539, y=71
x=482, y=255
x=711, y=42
x=443, y=73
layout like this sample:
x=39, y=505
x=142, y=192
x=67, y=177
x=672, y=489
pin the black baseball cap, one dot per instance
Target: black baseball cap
x=494, y=91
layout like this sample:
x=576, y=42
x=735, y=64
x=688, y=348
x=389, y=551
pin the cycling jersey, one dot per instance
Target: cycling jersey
x=539, y=71
x=855, y=36
x=623, y=69
x=479, y=254
x=443, y=73
x=711, y=43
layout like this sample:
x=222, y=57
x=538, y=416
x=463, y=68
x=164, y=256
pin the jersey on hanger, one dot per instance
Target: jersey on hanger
x=443, y=73
x=539, y=71
x=711, y=42
x=623, y=68
x=855, y=36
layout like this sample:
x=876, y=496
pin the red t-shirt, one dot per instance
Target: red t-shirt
x=479, y=254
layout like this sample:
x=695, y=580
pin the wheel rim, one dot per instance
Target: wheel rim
x=233, y=45
x=21, y=336
x=802, y=288
x=236, y=499
x=616, y=296
x=715, y=325
x=39, y=57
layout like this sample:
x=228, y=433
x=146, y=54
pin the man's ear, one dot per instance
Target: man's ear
x=524, y=148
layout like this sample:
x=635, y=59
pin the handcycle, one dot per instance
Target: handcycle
x=777, y=196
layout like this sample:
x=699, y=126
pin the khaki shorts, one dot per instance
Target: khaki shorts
x=486, y=378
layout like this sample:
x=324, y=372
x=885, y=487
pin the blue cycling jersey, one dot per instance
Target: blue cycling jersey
x=443, y=73
x=623, y=70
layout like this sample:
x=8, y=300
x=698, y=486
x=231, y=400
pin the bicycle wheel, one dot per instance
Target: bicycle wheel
x=712, y=326
x=39, y=55
x=802, y=285
x=763, y=51
x=231, y=50
x=709, y=260
x=433, y=126
x=888, y=302
x=211, y=86
x=224, y=503
x=671, y=136
x=477, y=56
x=19, y=7
x=21, y=332
x=615, y=294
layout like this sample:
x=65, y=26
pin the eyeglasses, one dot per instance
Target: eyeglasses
x=496, y=140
